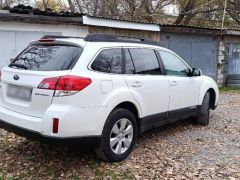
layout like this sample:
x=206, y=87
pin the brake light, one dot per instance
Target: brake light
x=46, y=40
x=65, y=85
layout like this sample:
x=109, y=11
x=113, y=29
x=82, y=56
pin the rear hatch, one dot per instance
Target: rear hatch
x=19, y=90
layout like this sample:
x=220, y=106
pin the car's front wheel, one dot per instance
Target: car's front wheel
x=203, y=118
x=118, y=137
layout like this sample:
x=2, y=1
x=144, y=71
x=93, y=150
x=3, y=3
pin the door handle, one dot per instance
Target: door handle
x=174, y=83
x=137, y=84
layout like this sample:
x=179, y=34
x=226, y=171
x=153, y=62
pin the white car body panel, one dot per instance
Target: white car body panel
x=145, y=90
x=85, y=113
x=184, y=92
x=40, y=99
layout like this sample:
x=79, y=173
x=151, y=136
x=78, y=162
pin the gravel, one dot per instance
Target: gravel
x=178, y=151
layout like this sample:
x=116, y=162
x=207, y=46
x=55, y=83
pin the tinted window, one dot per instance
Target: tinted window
x=48, y=58
x=145, y=61
x=109, y=61
x=129, y=63
x=173, y=65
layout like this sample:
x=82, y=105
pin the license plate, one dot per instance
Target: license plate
x=19, y=92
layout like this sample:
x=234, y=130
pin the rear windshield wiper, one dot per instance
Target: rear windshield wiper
x=18, y=65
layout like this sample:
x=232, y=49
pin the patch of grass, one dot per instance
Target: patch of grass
x=75, y=177
x=127, y=175
x=113, y=175
x=228, y=89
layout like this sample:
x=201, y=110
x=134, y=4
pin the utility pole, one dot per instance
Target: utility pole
x=224, y=13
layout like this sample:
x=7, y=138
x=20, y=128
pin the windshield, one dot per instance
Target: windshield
x=48, y=58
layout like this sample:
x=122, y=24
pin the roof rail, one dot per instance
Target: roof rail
x=58, y=37
x=95, y=37
x=114, y=38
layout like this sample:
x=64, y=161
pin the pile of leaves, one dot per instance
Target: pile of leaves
x=179, y=151
x=22, y=9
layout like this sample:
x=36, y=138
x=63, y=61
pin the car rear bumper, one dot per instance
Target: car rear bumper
x=33, y=135
x=41, y=128
x=88, y=140
x=20, y=120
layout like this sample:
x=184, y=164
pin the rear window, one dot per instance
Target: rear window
x=47, y=58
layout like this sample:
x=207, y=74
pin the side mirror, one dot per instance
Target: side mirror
x=196, y=72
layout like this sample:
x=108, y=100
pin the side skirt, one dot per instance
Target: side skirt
x=158, y=120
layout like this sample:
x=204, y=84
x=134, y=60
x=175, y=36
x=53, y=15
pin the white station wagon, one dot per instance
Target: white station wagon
x=102, y=89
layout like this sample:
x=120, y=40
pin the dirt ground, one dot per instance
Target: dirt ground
x=178, y=151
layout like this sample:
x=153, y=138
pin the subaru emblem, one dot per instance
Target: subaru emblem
x=16, y=77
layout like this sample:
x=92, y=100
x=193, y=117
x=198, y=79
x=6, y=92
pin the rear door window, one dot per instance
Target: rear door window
x=109, y=61
x=48, y=58
x=145, y=61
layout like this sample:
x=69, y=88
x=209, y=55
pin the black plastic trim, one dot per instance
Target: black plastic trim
x=59, y=37
x=162, y=67
x=88, y=140
x=157, y=120
x=124, y=61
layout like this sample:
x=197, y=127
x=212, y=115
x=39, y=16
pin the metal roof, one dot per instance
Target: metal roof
x=233, y=32
x=29, y=18
x=122, y=24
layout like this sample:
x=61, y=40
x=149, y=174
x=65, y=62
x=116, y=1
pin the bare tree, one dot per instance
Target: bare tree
x=71, y=6
x=56, y=5
x=186, y=12
x=9, y=3
x=191, y=12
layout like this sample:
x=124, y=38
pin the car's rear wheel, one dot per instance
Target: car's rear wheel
x=203, y=118
x=118, y=137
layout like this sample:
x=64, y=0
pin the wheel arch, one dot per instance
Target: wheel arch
x=212, y=97
x=130, y=106
x=209, y=85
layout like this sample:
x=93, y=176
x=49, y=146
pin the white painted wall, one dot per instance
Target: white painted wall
x=114, y=23
x=15, y=36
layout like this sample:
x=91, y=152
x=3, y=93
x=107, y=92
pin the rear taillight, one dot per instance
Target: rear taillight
x=49, y=83
x=65, y=85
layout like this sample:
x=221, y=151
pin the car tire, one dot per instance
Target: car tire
x=118, y=140
x=203, y=118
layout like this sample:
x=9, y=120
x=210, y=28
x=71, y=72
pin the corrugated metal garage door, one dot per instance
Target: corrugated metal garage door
x=13, y=42
x=234, y=59
x=198, y=51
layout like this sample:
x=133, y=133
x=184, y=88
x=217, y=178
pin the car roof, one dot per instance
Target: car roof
x=106, y=41
x=110, y=38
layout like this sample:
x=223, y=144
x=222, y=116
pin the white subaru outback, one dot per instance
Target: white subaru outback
x=103, y=89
